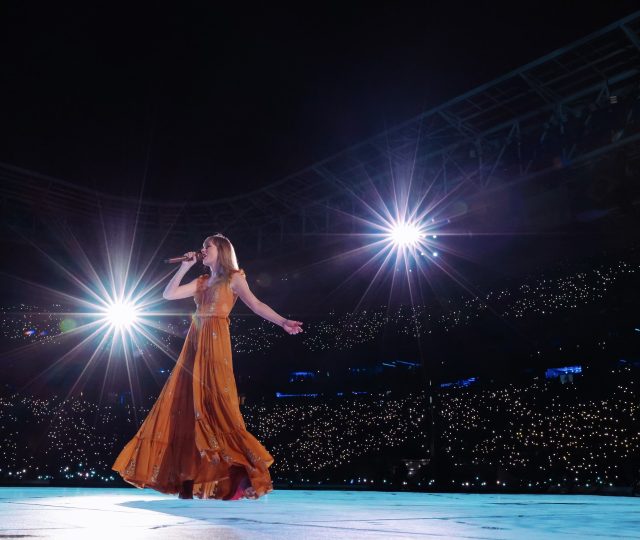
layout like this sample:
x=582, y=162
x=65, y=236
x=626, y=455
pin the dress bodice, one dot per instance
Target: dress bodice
x=215, y=300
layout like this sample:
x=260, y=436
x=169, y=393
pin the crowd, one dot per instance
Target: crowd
x=533, y=435
x=540, y=296
x=547, y=433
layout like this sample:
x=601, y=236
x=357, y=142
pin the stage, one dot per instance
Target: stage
x=119, y=514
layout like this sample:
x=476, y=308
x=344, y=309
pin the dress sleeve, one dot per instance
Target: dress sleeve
x=241, y=272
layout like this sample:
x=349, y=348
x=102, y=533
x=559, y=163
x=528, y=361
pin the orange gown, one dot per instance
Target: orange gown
x=195, y=430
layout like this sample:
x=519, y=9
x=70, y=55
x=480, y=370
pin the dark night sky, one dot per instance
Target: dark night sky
x=216, y=100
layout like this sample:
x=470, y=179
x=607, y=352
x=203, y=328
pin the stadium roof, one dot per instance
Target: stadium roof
x=557, y=109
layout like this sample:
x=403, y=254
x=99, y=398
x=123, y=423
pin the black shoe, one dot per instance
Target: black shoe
x=186, y=491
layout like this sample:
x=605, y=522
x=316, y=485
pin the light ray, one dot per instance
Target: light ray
x=115, y=311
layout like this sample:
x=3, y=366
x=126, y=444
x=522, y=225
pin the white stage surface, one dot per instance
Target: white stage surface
x=120, y=514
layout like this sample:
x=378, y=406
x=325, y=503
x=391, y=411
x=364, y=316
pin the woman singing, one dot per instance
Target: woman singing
x=194, y=440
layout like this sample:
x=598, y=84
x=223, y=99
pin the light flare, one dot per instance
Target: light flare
x=405, y=234
x=122, y=315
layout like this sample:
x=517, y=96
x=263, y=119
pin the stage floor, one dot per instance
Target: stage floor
x=120, y=514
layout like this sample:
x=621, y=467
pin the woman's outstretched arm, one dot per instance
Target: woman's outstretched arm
x=240, y=287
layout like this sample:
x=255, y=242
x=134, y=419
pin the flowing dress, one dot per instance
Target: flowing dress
x=195, y=430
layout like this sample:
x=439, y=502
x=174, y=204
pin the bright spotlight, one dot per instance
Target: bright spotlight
x=405, y=235
x=122, y=315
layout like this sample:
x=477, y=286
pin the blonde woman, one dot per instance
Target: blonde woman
x=194, y=440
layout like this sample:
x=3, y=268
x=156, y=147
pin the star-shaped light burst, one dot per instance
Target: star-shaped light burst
x=114, y=317
x=122, y=315
x=406, y=235
x=404, y=223
x=405, y=241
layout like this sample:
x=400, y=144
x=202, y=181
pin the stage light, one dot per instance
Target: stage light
x=405, y=235
x=122, y=315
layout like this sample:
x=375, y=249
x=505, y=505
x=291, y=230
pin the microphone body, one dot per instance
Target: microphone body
x=174, y=260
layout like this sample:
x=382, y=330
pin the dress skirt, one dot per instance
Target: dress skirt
x=195, y=430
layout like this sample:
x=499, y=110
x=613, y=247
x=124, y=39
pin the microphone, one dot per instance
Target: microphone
x=174, y=260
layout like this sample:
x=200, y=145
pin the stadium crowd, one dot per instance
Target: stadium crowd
x=536, y=435
x=538, y=296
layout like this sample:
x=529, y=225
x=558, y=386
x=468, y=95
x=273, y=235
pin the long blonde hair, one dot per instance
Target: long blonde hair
x=227, y=263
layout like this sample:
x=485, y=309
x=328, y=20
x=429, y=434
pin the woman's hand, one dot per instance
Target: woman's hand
x=190, y=262
x=292, y=327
